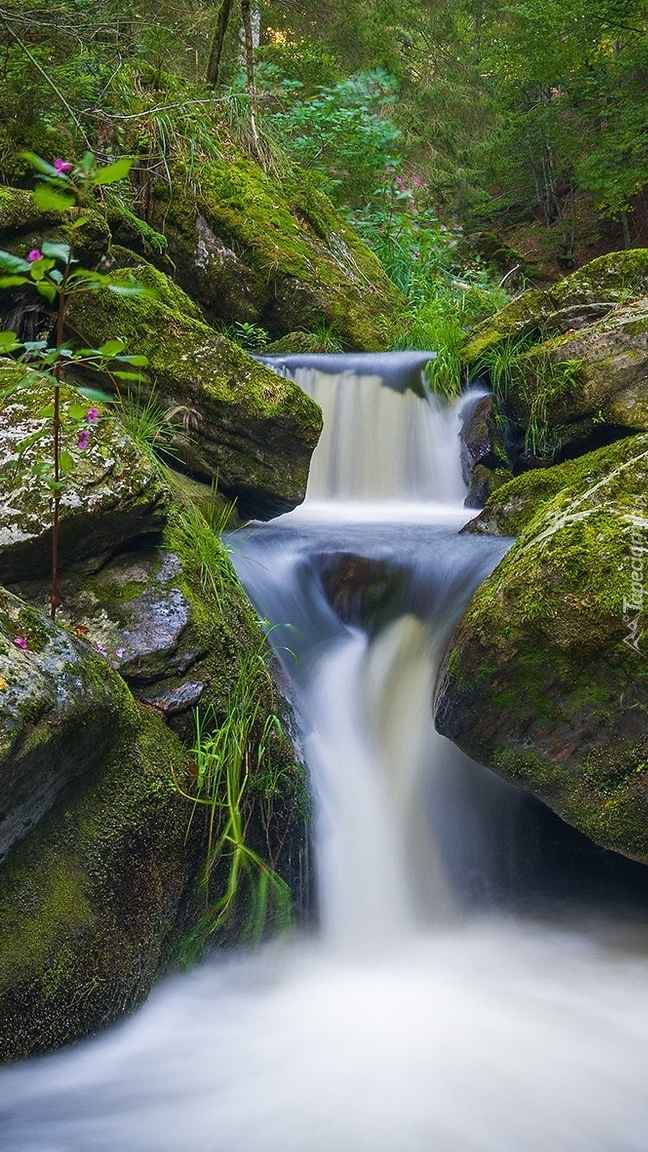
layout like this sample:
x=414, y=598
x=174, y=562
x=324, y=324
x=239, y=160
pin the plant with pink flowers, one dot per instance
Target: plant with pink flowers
x=54, y=273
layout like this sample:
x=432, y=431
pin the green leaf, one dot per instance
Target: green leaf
x=40, y=165
x=128, y=376
x=77, y=412
x=49, y=199
x=39, y=268
x=87, y=163
x=112, y=348
x=57, y=249
x=11, y=263
x=114, y=172
x=47, y=290
x=80, y=221
x=136, y=361
x=9, y=342
x=34, y=345
x=97, y=394
x=13, y=281
x=45, y=413
x=66, y=462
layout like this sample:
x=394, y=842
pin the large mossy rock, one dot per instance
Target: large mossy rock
x=546, y=678
x=580, y=299
x=112, y=495
x=249, y=427
x=519, y=500
x=95, y=891
x=59, y=710
x=278, y=253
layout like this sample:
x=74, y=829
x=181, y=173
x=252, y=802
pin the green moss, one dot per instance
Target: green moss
x=522, y=317
x=128, y=229
x=18, y=213
x=547, y=677
x=306, y=266
x=614, y=276
x=515, y=504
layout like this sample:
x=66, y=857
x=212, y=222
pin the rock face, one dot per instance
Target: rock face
x=546, y=678
x=96, y=890
x=280, y=255
x=578, y=300
x=483, y=455
x=113, y=496
x=244, y=424
x=59, y=709
x=102, y=853
x=95, y=900
x=570, y=366
x=518, y=501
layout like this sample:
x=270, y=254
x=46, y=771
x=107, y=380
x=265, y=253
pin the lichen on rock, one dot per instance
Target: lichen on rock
x=111, y=495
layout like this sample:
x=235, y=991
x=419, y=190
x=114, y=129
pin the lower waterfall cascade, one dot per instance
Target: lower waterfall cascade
x=478, y=979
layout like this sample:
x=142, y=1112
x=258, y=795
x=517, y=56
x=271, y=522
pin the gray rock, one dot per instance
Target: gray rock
x=111, y=496
x=60, y=709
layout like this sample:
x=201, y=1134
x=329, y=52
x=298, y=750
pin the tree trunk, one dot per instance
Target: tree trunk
x=216, y=51
x=249, y=69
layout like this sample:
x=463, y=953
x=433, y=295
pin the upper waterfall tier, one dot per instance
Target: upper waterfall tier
x=386, y=437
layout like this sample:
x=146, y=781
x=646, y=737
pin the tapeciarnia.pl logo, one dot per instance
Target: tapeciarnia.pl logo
x=633, y=607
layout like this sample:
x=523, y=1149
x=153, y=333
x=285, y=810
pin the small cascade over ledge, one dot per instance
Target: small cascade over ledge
x=387, y=439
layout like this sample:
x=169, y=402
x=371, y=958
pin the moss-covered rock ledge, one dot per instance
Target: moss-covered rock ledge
x=244, y=424
x=276, y=253
x=546, y=679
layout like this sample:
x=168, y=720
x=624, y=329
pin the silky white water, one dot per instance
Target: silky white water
x=479, y=978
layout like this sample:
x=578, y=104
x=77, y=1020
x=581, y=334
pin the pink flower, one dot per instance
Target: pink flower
x=92, y=415
x=119, y=652
x=62, y=165
x=33, y=255
x=20, y=642
x=83, y=438
x=100, y=649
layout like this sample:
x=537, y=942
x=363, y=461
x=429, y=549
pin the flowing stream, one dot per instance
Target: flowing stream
x=478, y=981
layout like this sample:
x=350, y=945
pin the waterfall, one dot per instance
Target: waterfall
x=472, y=985
x=388, y=443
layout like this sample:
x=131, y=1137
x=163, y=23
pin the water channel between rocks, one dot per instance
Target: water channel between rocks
x=478, y=981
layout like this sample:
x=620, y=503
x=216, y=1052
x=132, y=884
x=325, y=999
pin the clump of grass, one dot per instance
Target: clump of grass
x=231, y=750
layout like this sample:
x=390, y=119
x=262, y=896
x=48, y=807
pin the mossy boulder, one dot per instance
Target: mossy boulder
x=244, y=424
x=23, y=225
x=112, y=493
x=251, y=248
x=611, y=381
x=546, y=678
x=578, y=300
x=94, y=901
x=615, y=277
x=60, y=707
x=517, y=501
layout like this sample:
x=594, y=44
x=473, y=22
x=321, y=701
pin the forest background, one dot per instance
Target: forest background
x=501, y=143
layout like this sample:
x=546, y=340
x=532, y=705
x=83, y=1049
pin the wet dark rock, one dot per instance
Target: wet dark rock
x=176, y=700
x=357, y=587
x=483, y=483
x=482, y=439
